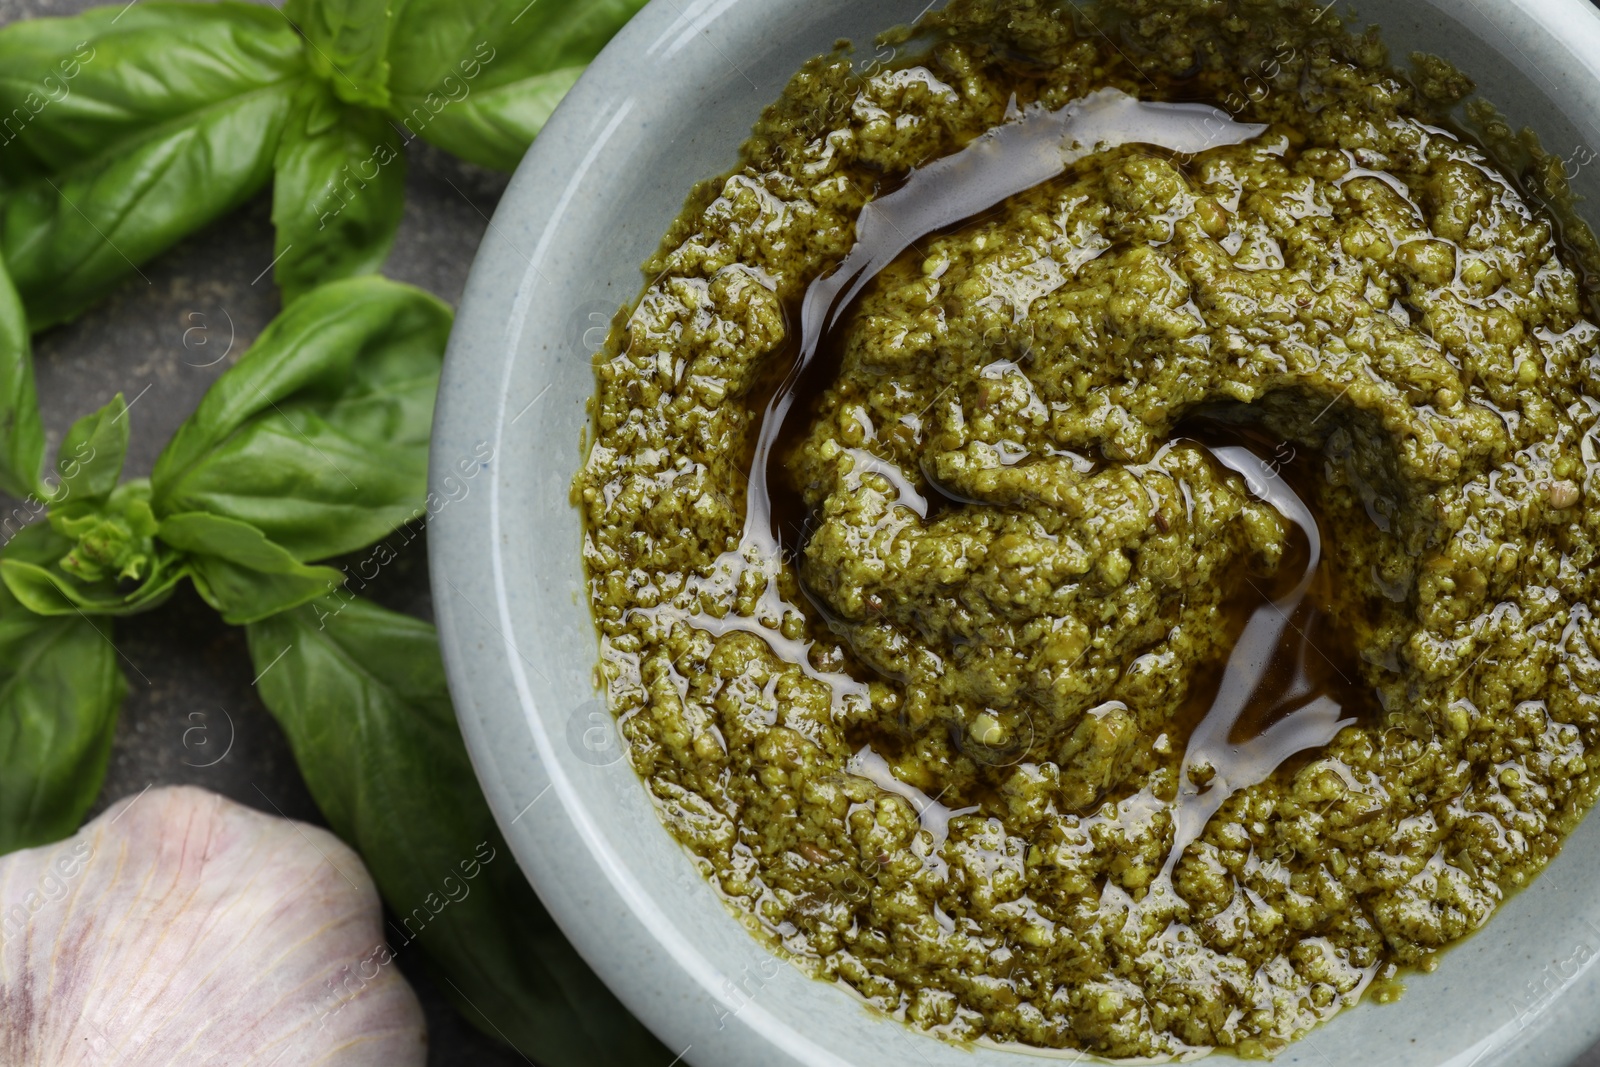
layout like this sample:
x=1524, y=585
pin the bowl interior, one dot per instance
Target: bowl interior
x=665, y=106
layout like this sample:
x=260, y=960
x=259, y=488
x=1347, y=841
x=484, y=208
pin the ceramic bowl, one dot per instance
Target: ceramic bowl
x=667, y=104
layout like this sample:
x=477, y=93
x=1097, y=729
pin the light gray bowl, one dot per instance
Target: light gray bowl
x=667, y=104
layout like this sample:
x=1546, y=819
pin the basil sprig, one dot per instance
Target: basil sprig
x=313, y=445
x=169, y=122
x=140, y=125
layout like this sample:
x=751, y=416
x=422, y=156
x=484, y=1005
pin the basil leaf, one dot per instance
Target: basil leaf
x=338, y=192
x=239, y=572
x=169, y=122
x=495, y=126
x=244, y=595
x=347, y=41
x=91, y=84
x=59, y=693
x=92, y=454
x=318, y=436
x=479, y=78
x=361, y=694
x=21, y=433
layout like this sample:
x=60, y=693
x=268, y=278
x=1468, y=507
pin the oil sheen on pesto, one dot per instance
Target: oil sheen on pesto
x=1053, y=473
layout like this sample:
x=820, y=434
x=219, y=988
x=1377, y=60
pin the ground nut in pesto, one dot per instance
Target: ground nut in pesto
x=1148, y=609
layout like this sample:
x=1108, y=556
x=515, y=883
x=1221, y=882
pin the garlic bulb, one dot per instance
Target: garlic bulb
x=180, y=928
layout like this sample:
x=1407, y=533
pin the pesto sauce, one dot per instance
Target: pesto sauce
x=938, y=739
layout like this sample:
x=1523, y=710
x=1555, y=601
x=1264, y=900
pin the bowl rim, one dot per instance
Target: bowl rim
x=484, y=661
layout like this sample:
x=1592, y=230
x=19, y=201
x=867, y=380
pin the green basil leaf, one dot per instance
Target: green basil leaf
x=338, y=192
x=361, y=694
x=60, y=689
x=170, y=121
x=229, y=539
x=479, y=78
x=92, y=453
x=21, y=434
x=239, y=572
x=347, y=43
x=96, y=83
x=242, y=595
x=495, y=126
x=37, y=588
x=32, y=563
x=318, y=436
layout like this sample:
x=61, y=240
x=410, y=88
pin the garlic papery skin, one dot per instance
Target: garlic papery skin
x=181, y=928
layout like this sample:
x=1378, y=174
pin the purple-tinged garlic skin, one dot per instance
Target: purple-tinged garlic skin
x=180, y=929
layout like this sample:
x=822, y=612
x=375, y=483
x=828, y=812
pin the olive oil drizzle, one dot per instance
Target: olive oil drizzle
x=1007, y=160
x=1269, y=704
x=1266, y=705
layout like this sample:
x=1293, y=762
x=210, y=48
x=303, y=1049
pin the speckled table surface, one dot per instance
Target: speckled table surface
x=192, y=715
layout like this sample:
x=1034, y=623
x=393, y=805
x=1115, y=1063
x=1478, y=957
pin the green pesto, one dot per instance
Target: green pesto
x=1359, y=285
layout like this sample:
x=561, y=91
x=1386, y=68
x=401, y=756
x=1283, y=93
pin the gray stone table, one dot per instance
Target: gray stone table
x=161, y=340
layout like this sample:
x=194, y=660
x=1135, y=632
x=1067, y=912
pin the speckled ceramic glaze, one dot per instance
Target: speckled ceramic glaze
x=664, y=106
